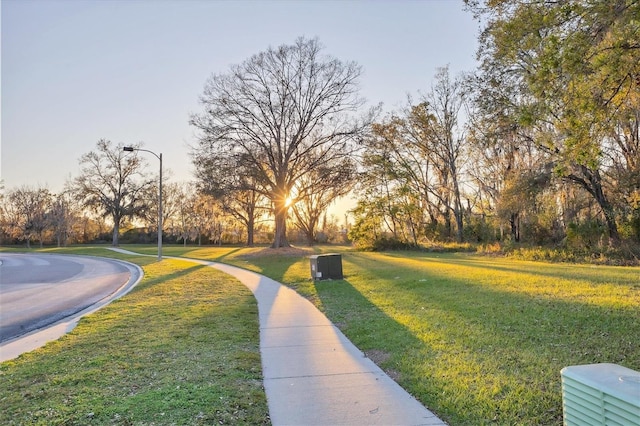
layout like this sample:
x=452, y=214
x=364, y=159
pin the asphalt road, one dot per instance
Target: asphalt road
x=37, y=290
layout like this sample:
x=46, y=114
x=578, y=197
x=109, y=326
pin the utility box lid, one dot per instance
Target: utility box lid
x=612, y=379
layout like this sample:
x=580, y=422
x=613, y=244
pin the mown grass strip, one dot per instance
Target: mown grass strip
x=181, y=348
x=478, y=340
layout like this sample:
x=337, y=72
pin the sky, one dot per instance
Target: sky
x=132, y=71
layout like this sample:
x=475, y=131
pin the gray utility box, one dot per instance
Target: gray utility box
x=326, y=267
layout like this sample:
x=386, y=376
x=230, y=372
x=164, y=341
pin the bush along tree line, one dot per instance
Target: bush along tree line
x=540, y=145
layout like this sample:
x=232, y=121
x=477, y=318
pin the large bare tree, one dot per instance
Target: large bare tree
x=286, y=112
x=437, y=119
x=112, y=183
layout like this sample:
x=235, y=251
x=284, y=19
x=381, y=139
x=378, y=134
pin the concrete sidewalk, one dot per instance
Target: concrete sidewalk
x=313, y=375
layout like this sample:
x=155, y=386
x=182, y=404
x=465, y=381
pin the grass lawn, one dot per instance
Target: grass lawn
x=181, y=348
x=479, y=340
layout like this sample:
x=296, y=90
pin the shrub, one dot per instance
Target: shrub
x=586, y=235
x=383, y=244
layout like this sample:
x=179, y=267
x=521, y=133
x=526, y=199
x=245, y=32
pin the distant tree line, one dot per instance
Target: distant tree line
x=539, y=145
x=114, y=199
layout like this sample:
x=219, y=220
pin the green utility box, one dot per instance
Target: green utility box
x=600, y=394
x=326, y=267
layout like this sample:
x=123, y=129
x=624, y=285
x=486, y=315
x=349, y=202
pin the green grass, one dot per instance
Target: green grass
x=483, y=340
x=478, y=340
x=181, y=348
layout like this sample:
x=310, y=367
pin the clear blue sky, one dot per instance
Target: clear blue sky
x=76, y=71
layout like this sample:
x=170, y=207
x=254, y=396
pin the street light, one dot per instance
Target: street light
x=159, y=157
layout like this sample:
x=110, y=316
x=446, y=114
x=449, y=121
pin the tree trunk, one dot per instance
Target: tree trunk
x=610, y=218
x=457, y=200
x=593, y=185
x=515, y=227
x=250, y=230
x=447, y=222
x=310, y=229
x=116, y=232
x=310, y=237
x=606, y=207
x=280, y=237
x=459, y=223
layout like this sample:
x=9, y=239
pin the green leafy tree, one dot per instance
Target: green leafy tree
x=623, y=159
x=575, y=64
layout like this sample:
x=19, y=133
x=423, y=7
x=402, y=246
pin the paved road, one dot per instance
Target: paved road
x=37, y=290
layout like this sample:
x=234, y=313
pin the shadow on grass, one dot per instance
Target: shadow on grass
x=150, y=281
x=474, y=354
x=222, y=257
x=212, y=253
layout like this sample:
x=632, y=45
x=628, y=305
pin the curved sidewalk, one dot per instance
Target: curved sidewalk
x=313, y=374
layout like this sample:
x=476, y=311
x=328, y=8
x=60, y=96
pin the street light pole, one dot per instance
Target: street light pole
x=159, y=157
